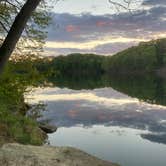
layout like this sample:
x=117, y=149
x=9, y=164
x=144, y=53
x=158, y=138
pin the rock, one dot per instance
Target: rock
x=27, y=155
x=47, y=128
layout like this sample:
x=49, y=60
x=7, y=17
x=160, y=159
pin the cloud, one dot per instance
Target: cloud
x=71, y=28
x=106, y=34
x=106, y=45
x=101, y=23
x=103, y=49
x=154, y=2
x=91, y=44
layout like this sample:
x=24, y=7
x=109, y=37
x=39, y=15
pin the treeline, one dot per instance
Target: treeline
x=144, y=58
x=147, y=57
x=78, y=64
x=136, y=59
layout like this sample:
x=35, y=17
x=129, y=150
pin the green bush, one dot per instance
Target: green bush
x=13, y=125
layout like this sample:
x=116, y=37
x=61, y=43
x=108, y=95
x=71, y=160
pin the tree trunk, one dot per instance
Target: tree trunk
x=15, y=31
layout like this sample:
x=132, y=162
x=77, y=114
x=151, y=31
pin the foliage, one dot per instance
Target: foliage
x=78, y=64
x=146, y=87
x=144, y=58
x=34, y=35
x=13, y=124
x=135, y=59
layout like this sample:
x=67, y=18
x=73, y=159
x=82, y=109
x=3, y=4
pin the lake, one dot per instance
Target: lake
x=122, y=120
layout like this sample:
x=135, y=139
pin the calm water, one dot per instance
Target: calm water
x=109, y=124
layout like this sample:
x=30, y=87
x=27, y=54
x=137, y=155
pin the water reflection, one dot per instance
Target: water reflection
x=149, y=88
x=105, y=106
x=122, y=119
x=160, y=138
x=120, y=145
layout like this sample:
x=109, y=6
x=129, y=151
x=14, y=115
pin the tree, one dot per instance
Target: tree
x=125, y=5
x=16, y=30
x=160, y=46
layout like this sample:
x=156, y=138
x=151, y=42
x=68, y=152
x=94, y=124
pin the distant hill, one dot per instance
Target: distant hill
x=146, y=57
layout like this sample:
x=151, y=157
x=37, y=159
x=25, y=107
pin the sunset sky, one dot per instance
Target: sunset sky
x=94, y=26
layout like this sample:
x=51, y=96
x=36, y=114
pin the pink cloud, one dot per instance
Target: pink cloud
x=71, y=28
x=101, y=23
x=72, y=113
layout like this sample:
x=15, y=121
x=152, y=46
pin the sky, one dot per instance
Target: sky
x=95, y=26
